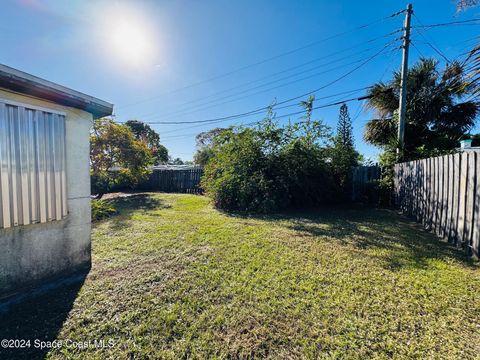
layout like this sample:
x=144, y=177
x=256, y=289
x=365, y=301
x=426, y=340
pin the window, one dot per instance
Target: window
x=32, y=165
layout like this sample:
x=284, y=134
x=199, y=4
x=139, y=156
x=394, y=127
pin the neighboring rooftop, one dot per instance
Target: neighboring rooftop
x=175, y=167
x=19, y=81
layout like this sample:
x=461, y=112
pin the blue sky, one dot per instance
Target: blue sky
x=180, y=60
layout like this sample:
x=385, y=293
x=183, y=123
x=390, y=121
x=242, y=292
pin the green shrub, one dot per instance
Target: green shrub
x=102, y=209
x=270, y=168
x=241, y=176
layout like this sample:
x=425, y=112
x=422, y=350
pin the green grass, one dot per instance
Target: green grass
x=173, y=278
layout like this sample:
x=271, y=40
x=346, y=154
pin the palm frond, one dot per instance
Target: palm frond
x=380, y=132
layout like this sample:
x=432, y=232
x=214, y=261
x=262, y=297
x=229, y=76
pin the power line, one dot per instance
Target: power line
x=427, y=42
x=470, y=42
x=390, y=63
x=270, y=58
x=256, y=111
x=338, y=102
x=418, y=50
x=221, y=120
x=259, y=111
x=339, y=78
x=215, y=103
x=274, y=74
x=288, y=115
x=460, y=22
x=218, y=101
x=438, y=52
x=358, y=112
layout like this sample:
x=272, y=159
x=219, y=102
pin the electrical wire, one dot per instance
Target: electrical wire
x=284, y=115
x=358, y=112
x=424, y=36
x=242, y=68
x=418, y=50
x=146, y=116
x=338, y=102
x=215, y=103
x=259, y=111
x=462, y=22
x=255, y=111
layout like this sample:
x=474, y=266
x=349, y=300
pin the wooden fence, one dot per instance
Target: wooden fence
x=171, y=179
x=362, y=181
x=443, y=193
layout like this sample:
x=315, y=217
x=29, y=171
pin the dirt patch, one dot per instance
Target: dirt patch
x=120, y=195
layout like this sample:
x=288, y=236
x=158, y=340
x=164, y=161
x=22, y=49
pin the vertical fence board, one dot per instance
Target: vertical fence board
x=438, y=187
x=420, y=190
x=445, y=172
x=429, y=194
x=469, y=200
x=448, y=199
x=415, y=189
x=462, y=197
x=456, y=196
x=440, y=196
x=476, y=213
x=435, y=194
x=443, y=193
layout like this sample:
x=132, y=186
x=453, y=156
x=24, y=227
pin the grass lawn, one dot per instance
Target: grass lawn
x=173, y=278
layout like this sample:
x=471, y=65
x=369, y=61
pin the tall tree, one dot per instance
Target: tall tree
x=344, y=127
x=116, y=157
x=205, y=142
x=208, y=138
x=145, y=133
x=436, y=116
x=176, y=161
x=344, y=157
x=307, y=124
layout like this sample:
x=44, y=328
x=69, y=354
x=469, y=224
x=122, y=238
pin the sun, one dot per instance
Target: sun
x=130, y=39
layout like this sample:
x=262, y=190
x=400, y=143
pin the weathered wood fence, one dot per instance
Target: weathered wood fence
x=174, y=179
x=362, y=181
x=443, y=193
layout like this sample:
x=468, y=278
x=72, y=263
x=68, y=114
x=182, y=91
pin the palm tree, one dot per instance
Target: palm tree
x=473, y=68
x=473, y=58
x=436, y=116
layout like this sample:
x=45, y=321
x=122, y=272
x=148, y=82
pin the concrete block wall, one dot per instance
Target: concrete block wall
x=33, y=254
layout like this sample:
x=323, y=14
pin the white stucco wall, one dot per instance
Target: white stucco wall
x=32, y=254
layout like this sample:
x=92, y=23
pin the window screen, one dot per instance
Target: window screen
x=32, y=166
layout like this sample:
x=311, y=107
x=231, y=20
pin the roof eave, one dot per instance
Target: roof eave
x=19, y=81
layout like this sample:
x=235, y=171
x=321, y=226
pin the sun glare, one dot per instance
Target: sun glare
x=130, y=39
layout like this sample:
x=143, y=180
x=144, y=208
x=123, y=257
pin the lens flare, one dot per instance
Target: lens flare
x=129, y=38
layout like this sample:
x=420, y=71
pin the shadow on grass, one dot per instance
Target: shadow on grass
x=38, y=318
x=133, y=203
x=403, y=243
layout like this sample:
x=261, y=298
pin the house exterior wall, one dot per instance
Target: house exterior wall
x=32, y=254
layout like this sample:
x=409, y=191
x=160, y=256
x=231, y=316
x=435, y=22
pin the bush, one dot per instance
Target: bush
x=241, y=176
x=307, y=173
x=270, y=168
x=102, y=209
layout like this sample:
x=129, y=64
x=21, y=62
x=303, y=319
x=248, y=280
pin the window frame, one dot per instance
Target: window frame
x=31, y=106
x=13, y=202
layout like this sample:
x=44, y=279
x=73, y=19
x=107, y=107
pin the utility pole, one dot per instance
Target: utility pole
x=403, y=79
